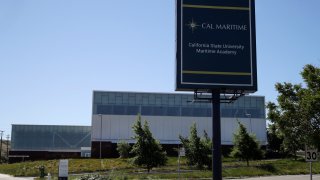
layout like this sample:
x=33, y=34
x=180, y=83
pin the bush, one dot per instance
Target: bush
x=246, y=146
x=198, y=150
x=123, y=149
x=147, y=151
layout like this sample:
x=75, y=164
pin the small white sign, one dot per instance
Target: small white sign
x=63, y=168
x=182, y=152
x=311, y=155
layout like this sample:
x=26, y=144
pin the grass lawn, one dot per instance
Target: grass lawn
x=122, y=169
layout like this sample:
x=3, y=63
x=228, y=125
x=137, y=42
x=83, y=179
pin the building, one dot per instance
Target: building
x=169, y=115
x=34, y=142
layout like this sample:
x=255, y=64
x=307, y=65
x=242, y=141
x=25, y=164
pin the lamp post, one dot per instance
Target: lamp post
x=1, y=145
x=249, y=115
x=8, y=145
x=100, y=134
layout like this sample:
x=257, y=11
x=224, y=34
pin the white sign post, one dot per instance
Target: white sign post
x=63, y=169
x=182, y=152
x=311, y=156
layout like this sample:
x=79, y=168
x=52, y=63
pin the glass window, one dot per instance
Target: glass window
x=43, y=137
x=97, y=97
x=133, y=110
x=145, y=100
x=119, y=110
x=119, y=99
x=158, y=100
x=138, y=98
x=241, y=101
x=159, y=111
x=147, y=110
x=132, y=99
x=152, y=99
x=112, y=98
x=177, y=100
x=184, y=101
x=164, y=99
x=105, y=109
x=253, y=102
x=171, y=100
x=200, y=112
x=125, y=98
x=187, y=111
x=173, y=111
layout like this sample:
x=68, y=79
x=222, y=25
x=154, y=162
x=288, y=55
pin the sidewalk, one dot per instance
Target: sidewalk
x=7, y=177
x=287, y=177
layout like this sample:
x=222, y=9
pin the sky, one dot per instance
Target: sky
x=54, y=53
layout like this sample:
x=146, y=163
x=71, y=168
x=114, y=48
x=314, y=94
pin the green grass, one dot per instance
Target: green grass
x=122, y=168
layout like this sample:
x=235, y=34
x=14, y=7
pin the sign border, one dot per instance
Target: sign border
x=225, y=87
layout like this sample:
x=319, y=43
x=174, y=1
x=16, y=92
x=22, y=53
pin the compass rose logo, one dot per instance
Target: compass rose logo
x=193, y=25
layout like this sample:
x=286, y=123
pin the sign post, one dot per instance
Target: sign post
x=216, y=135
x=311, y=156
x=182, y=152
x=63, y=169
x=216, y=53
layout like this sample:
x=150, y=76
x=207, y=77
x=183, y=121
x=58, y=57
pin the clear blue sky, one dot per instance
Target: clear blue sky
x=54, y=53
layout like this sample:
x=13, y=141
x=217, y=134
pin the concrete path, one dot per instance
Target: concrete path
x=7, y=177
x=288, y=177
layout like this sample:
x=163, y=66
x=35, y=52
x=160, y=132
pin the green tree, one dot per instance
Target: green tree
x=123, y=149
x=311, y=105
x=297, y=112
x=147, y=151
x=198, y=150
x=275, y=139
x=288, y=116
x=245, y=146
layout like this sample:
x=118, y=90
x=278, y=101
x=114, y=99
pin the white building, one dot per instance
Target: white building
x=169, y=115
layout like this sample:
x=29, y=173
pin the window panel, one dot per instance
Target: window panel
x=119, y=110
x=105, y=109
x=173, y=111
x=133, y=110
x=147, y=110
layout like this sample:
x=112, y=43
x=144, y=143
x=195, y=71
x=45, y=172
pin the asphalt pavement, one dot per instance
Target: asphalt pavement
x=288, y=177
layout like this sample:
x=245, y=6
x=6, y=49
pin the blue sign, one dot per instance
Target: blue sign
x=216, y=45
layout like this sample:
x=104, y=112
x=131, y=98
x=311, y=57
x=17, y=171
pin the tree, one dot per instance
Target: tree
x=287, y=116
x=297, y=112
x=147, y=151
x=245, y=146
x=275, y=139
x=197, y=149
x=123, y=149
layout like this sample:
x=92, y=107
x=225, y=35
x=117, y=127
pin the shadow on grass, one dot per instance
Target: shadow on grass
x=267, y=167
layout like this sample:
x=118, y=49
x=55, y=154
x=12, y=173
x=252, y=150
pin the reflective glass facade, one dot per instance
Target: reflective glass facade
x=172, y=104
x=50, y=137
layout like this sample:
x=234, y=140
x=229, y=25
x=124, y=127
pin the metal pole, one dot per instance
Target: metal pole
x=179, y=164
x=1, y=146
x=249, y=115
x=8, y=146
x=216, y=136
x=310, y=170
x=100, y=134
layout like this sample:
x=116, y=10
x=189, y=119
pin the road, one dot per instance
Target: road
x=288, y=177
